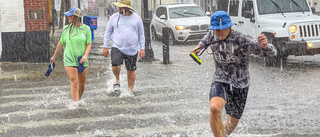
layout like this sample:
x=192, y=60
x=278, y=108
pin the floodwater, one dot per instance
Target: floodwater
x=171, y=100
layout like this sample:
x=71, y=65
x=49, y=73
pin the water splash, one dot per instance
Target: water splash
x=100, y=133
x=8, y=116
x=57, y=98
x=98, y=75
x=111, y=81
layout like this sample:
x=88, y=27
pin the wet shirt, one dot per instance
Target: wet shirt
x=231, y=57
x=126, y=32
x=76, y=40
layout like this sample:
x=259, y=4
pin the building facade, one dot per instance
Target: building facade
x=24, y=31
x=315, y=4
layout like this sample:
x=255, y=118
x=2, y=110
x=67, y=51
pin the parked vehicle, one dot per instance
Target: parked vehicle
x=288, y=24
x=187, y=22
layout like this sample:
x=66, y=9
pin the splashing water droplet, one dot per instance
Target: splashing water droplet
x=8, y=117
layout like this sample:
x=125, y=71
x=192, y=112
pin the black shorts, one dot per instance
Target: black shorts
x=236, y=98
x=117, y=58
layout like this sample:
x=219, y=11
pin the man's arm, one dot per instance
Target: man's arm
x=107, y=34
x=267, y=48
x=107, y=37
x=259, y=46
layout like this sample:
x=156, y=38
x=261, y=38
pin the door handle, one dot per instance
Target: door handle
x=240, y=22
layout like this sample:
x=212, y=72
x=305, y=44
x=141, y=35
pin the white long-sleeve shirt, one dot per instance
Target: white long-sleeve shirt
x=126, y=32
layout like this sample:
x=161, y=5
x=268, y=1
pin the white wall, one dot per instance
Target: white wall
x=136, y=5
x=12, y=16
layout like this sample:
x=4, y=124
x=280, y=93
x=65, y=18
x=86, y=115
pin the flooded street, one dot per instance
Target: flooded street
x=171, y=100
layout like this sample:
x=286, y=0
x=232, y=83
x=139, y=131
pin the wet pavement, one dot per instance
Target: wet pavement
x=171, y=100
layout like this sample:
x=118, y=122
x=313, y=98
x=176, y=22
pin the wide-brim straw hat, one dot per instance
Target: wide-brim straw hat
x=124, y=4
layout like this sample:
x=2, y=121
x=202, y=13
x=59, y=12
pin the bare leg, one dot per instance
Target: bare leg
x=216, y=122
x=49, y=28
x=230, y=124
x=53, y=28
x=116, y=72
x=131, y=79
x=82, y=81
x=74, y=80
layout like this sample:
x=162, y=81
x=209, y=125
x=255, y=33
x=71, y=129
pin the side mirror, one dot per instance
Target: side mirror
x=248, y=14
x=208, y=13
x=163, y=17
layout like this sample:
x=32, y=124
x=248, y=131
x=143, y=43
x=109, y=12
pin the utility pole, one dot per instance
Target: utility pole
x=146, y=24
x=79, y=4
x=61, y=18
x=68, y=7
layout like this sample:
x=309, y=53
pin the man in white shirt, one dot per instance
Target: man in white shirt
x=125, y=28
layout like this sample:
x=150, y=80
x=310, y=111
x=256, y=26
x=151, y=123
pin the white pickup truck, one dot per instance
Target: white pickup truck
x=288, y=24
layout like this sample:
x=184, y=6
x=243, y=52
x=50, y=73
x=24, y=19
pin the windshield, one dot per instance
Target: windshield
x=284, y=6
x=185, y=12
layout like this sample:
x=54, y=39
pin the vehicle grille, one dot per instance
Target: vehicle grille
x=204, y=27
x=194, y=28
x=309, y=31
x=197, y=27
x=195, y=37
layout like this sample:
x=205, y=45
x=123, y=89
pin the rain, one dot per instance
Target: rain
x=171, y=89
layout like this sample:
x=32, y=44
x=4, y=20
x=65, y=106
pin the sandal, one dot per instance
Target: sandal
x=116, y=88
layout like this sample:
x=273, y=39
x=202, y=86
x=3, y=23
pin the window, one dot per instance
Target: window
x=247, y=8
x=234, y=6
x=185, y=12
x=284, y=6
x=161, y=11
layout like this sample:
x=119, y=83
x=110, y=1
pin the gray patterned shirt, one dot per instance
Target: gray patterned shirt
x=231, y=57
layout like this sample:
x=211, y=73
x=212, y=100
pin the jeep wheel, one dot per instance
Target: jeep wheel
x=172, y=40
x=153, y=34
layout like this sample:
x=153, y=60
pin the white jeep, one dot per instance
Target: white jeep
x=288, y=24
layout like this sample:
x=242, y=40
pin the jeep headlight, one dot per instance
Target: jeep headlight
x=310, y=44
x=293, y=29
x=181, y=27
